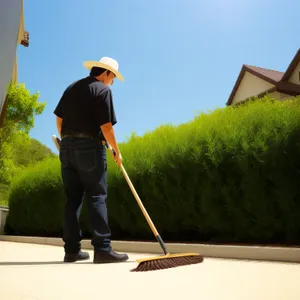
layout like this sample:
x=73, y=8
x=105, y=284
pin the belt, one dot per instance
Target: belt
x=81, y=135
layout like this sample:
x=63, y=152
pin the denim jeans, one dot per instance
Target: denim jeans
x=83, y=167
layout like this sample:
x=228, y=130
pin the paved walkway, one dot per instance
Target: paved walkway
x=35, y=272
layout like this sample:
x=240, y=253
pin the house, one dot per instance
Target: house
x=257, y=82
x=12, y=34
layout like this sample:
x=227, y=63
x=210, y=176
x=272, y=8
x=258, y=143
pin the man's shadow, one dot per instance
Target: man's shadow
x=33, y=263
x=30, y=263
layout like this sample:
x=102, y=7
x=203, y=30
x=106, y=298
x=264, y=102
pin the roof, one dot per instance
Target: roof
x=279, y=79
x=292, y=66
x=270, y=75
x=288, y=88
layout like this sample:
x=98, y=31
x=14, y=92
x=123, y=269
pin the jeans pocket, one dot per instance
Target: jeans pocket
x=86, y=160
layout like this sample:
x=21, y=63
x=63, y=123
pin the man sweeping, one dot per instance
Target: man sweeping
x=85, y=118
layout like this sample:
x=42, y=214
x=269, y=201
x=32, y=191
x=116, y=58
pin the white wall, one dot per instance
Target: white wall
x=250, y=86
x=280, y=96
x=295, y=77
x=10, y=14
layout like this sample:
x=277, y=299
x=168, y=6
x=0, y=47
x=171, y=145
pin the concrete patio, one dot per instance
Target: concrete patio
x=35, y=272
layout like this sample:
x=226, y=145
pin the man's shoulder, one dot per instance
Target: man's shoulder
x=72, y=84
x=81, y=82
x=100, y=87
x=96, y=87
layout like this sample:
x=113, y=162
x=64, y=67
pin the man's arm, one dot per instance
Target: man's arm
x=109, y=134
x=107, y=118
x=59, y=125
x=59, y=114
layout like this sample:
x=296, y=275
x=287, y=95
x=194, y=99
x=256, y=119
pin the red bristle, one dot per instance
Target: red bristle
x=168, y=262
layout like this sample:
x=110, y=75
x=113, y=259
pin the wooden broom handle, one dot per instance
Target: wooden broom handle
x=136, y=196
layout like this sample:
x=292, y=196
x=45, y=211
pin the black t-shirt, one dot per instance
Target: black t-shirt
x=86, y=105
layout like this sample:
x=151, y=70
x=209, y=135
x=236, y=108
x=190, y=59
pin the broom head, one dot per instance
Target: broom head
x=167, y=261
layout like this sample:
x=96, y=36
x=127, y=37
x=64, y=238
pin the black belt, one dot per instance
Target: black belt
x=81, y=135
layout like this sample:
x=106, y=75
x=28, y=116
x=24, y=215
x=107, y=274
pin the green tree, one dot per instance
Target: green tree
x=22, y=107
x=17, y=149
x=34, y=152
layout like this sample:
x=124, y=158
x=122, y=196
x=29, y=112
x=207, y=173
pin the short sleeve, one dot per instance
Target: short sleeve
x=104, y=108
x=59, y=108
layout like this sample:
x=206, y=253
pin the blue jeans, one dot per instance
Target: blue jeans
x=83, y=167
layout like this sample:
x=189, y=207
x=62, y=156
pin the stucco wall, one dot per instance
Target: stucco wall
x=250, y=86
x=10, y=13
x=295, y=77
x=281, y=96
x=276, y=95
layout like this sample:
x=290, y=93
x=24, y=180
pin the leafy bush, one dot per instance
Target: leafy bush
x=231, y=175
x=19, y=152
x=4, y=190
x=35, y=202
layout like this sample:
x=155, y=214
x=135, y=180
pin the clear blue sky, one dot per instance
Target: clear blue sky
x=178, y=57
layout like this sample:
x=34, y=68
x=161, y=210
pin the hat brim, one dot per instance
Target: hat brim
x=90, y=64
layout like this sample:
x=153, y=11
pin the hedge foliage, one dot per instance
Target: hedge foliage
x=229, y=176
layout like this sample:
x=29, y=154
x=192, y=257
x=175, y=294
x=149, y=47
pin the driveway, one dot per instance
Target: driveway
x=35, y=272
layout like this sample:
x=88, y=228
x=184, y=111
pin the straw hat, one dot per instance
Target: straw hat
x=106, y=63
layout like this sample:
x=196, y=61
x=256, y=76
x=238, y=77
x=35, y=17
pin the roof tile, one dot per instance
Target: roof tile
x=272, y=74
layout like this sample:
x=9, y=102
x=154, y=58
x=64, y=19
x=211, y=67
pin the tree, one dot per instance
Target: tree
x=21, y=109
x=17, y=149
x=32, y=153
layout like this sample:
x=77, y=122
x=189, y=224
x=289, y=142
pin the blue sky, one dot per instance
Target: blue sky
x=178, y=57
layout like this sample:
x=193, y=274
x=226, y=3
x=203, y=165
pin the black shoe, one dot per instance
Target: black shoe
x=72, y=257
x=109, y=257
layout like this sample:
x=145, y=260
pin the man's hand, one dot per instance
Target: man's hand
x=117, y=157
x=108, y=132
x=59, y=125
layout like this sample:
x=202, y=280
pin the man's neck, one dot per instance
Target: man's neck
x=99, y=79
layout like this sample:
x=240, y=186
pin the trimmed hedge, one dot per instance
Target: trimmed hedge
x=228, y=176
x=4, y=190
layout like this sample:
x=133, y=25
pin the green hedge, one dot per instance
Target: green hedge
x=228, y=176
x=4, y=190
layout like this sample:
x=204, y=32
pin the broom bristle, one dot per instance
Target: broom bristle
x=167, y=263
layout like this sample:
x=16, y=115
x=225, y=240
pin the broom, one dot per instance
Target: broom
x=157, y=262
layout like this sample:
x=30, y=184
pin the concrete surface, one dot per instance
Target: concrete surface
x=35, y=272
x=265, y=253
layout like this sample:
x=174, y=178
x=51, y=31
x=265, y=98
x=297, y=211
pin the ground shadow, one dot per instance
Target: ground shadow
x=32, y=263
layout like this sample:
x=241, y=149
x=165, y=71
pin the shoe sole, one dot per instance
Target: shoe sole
x=109, y=261
x=80, y=259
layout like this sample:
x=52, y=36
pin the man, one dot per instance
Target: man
x=85, y=118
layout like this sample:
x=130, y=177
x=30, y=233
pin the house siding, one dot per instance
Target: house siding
x=251, y=86
x=276, y=95
x=10, y=14
x=280, y=96
x=284, y=97
x=295, y=77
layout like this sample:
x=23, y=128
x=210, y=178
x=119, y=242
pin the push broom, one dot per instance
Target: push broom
x=157, y=262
